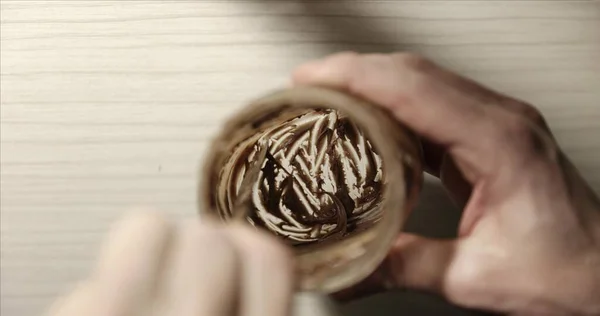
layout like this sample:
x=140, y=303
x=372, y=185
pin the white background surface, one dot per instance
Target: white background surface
x=110, y=104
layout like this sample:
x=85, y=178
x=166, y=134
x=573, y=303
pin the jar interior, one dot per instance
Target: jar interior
x=311, y=179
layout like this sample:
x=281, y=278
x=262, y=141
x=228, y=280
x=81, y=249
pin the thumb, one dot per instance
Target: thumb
x=413, y=262
x=419, y=262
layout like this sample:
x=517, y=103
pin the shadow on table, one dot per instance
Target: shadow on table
x=341, y=26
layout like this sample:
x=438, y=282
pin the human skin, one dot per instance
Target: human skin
x=529, y=238
x=149, y=266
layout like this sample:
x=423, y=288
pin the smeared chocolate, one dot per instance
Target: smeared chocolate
x=313, y=178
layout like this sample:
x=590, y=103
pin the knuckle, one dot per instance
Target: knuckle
x=151, y=221
x=515, y=127
x=534, y=115
x=465, y=288
x=530, y=112
x=273, y=255
x=277, y=254
x=527, y=138
x=410, y=61
x=203, y=236
x=469, y=279
x=262, y=248
x=137, y=224
x=416, y=73
x=346, y=58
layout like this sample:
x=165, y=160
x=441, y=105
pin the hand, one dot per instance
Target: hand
x=529, y=240
x=150, y=267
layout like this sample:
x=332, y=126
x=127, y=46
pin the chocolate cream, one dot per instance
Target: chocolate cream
x=312, y=178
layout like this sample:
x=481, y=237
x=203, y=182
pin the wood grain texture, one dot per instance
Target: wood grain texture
x=107, y=105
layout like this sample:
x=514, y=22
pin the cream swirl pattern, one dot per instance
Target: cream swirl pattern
x=313, y=178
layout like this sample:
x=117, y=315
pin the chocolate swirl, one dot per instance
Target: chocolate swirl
x=318, y=178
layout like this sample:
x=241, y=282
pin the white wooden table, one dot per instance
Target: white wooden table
x=107, y=105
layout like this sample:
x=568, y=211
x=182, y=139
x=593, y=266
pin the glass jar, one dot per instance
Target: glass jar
x=332, y=175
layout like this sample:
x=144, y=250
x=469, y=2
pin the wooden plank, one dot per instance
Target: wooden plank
x=110, y=104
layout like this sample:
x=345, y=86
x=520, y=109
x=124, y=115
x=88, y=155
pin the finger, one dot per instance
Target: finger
x=130, y=261
x=435, y=154
x=399, y=83
x=332, y=71
x=202, y=273
x=267, y=281
x=443, y=107
x=454, y=182
x=82, y=301
x=419, y=262
x=528, y=111
x=413, y=262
